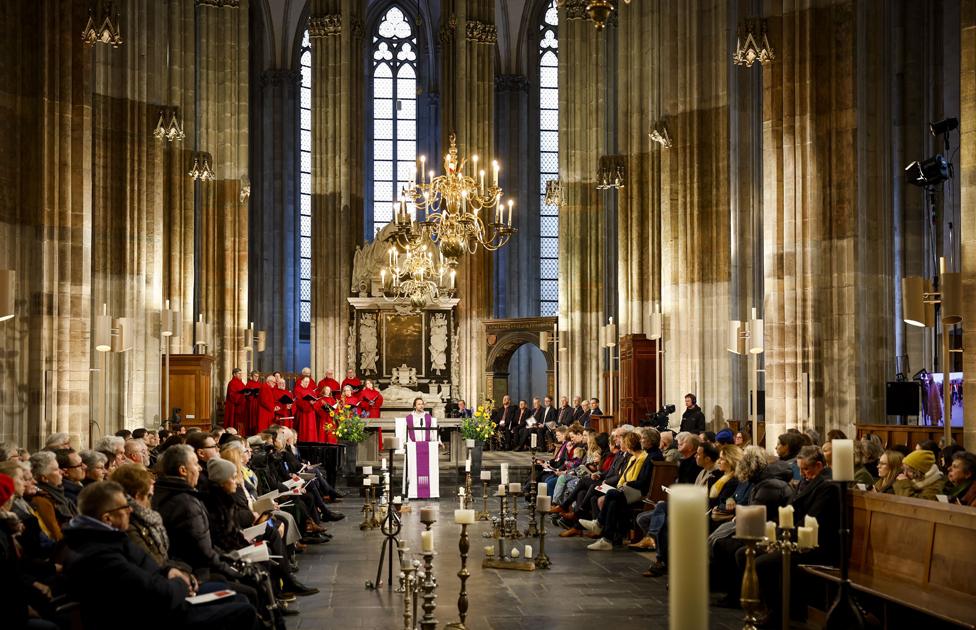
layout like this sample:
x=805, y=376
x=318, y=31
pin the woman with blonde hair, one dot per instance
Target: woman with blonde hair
x=889, y=465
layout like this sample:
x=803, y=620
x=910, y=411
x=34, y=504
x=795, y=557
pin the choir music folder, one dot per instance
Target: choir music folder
x=286, y=400
x=310, y=398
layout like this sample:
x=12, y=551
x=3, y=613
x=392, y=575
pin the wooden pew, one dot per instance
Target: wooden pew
x=664, y=474
x=893, y=434
x=915, y=554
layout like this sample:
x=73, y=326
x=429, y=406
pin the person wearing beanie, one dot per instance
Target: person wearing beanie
x=920, y=477
x=725, y=436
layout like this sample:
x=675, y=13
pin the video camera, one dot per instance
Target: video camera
x=659, y=420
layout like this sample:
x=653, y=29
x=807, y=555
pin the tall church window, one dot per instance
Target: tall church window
x=394, y=115
x=548, y=159
x=305, y=192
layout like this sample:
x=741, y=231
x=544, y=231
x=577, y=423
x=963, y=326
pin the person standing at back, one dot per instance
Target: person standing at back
x=693, y=419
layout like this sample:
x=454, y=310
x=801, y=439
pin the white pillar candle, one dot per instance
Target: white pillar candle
x=515, y=553
x=469, y=443
x=427, y=540
x=501, y=488
x=805, y=537
x=786, y=517
x=514, y=487
x=542, y=489
x=428, y=514
x=486, y=475
x=383, y=466
x=770, y=530
x=374, y=479
x=366, y=481
x=398, y=499
x=505, y=474
x=543, y=503
x=688, y=524
x=532, y=440
x=386, y=478
x=467, y=465
x=464, y=517
x=367, y=470
x=842, y=459
x=392, y=442
x=461, y=491
x=750, y=521
x=528, y=552
x=811, y=522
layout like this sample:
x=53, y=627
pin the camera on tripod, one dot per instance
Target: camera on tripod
x=659, y=420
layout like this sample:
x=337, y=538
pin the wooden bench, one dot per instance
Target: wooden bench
x=910, y=435
x=914, y=554
x=664, y=474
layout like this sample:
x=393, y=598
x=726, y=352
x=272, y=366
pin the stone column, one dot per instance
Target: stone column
x=467, y=38
x=336, y=31
x=967, y=174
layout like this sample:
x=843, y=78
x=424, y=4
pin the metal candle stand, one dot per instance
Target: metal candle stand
x=484, y=514
x=513, y=530
x=844, y=613
x=541, y=560
x=533, y=529
x=391, y=530
x=506, y=529
x=468, y=499
x=749, y=597
x=429, y=622
x=375, y=522
x=368, y=511
x=408, y=581
x=463, y=547
x=749, y=594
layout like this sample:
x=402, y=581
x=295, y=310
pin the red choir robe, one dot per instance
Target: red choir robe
x=331, y=382
x=371, y=400
x=285, y=415
x=355, y=383
x=249, y=409
x=267, y=406
x=234, y=415
x=327, y=424
x=305, y=416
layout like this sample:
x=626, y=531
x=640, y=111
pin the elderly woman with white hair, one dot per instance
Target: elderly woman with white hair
x=113, y=447
x=96, y=466
x=57, y=440
x=52, y=506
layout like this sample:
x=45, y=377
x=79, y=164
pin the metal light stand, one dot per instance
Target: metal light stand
x=463, y=547
x=484, y=514
x=391, y=529
x=749, y=594
x=533, y=529
x=429, y=622
x=542, y=560
x=844, y=613
x=513, y=531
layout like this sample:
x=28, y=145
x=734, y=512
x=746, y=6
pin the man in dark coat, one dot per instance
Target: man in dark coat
x=119, y=585
x=693, y=419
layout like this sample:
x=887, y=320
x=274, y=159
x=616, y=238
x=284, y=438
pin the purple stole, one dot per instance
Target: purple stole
x=422, y=449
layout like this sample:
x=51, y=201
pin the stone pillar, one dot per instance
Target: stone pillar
x=467, y=55
x=336, y=31
x=967, y=175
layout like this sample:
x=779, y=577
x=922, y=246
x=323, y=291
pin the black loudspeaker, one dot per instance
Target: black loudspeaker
x=903, y=398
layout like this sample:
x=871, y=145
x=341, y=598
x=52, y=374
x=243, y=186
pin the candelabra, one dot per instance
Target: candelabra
x=541, y=560
x=844, y=613
x=429, y=622
x=533, y=529
x=484, y=514
x=463, y=546
x=505, y=530
x=513, y=531
x=391, y=530
x=749, y=594
x=415, y=277
x=468, y=498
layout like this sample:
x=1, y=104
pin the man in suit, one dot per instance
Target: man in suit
x=520, y=431
x=565, y=415
x=594, y=410
x=505, y=417
x=579, y=410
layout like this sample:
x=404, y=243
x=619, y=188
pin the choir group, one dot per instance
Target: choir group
x=253, y=405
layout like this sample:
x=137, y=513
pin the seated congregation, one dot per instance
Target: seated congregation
x=612, y=489
x=159, y=530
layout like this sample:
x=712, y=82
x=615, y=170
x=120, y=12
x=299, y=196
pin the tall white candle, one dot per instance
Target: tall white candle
x=542, y=489
x=367, y=470
x=486, y=475
x=461, y=491
x=786, y=517
x=533, y=440
x=750, y=521
x=543, y=503
x=505, y=474
x=528, y=552
x=842, y=460
x=427, y=540
x=811, y=522
x=688, y=524
x=464, y=517
x=467, y=465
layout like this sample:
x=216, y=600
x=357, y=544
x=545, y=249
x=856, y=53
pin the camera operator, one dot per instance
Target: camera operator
x=692, y=420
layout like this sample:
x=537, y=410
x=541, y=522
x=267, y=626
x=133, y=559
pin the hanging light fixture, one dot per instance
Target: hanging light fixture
x=416, y=277
x=103, y=330
x=107, y=30
x=168, y=126
x=7, y=279
x=610, y=173
x=748, y=48
x=201, y=169
x=554, y=193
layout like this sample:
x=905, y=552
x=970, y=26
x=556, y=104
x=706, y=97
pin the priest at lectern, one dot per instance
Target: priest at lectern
x=423, y=471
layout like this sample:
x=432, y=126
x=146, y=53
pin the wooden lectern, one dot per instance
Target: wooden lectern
x=191, y=389
x=638, y=378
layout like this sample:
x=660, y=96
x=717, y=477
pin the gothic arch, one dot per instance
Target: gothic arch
x=503, y=338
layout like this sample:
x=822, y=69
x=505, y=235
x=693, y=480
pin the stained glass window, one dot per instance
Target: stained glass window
x=305, y=193
x=394, y=112
x=548, y=160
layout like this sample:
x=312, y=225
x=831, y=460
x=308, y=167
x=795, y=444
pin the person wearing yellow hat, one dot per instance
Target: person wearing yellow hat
x=920, y=477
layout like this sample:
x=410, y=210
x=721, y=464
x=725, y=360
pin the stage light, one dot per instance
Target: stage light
x=943, y=126
x=931, y=172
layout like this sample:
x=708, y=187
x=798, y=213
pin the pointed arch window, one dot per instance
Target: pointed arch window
x=305, y=191
x=548, y=159
x=393, y=145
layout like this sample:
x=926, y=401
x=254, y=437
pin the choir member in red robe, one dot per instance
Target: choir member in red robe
x=267, y=403
x=305, y=416
x=285, y=416
x=350, y=398
x=330, y=382
x=249, y=407
x=234, y=402
x=352, y=381
x=371, y=401
x=324, y=408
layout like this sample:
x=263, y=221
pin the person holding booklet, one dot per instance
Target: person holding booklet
x=305, y=416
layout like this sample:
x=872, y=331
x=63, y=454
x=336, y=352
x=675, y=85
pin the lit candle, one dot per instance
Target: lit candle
x=464, y=517
x=806, y=537
x=528, y=552
x=481, y=177
x=427, y=541
x=501, y=489
x=786, y=517
x=688, y=524
x=504, y=474
x=811, y=522
x=542, y=489
x=383, y=284
x=842, y=460
x=428, y=514
x=367, y=470
x=514, y=487
x=392, y=443
x=510, y=204
x=543, y=503
x=366, y=481
x=383, y=464
x=533, y=440
x=486, y=475
x=423, y=163
x=467, y=465
x=750, y=521
x=770, y=530
x=453, y=273
x=474, y=164
x=494, y=169
x=374, y=479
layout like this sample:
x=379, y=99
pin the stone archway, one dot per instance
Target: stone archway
x=503, y=338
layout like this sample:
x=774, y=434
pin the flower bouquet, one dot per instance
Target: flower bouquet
x=350, y=425
x=479, y=426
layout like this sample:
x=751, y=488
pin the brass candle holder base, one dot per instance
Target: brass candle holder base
x=484, y=514
x=516, y=565
x=542, y=560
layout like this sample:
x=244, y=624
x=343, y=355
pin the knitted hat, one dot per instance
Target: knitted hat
x=220, y=470
x=921, y=460
x=725, y=436
x=6, y=488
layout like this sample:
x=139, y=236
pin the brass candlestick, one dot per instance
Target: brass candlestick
x=542, y=560
x=463, y=574
x=367, y=510
x=408, y=578
x=787, y=548
x=749, y=595
x=429, y=622
x=514, y=532
x=468, y=499
x=533, y=529
x=484, y=514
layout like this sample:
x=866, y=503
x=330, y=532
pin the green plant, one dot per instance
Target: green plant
x=479, y=426
x=350, y=426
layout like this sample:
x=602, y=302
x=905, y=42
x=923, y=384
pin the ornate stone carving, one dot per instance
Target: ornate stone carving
x=403, y=375
x=324, y=26
x=481, y=32
x=351, y=344
x=446, y=33
x=367, y=261
x=576, y=10
x=455, y=362
x=511, y=83
x=438, y=343
x=368, y=344
x=358, y=28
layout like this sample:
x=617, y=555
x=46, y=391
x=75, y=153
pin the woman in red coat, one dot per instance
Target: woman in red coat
x=305, y=417
x=267, y=403
x=371, y=401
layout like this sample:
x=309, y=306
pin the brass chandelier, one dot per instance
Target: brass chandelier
x=599, y=11
x=461, y=212
x=415, y=276
x=749, y=48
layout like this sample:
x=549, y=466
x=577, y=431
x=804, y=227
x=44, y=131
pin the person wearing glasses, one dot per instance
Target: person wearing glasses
x=116, y=582
x=205, y=448
x=73, y=472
